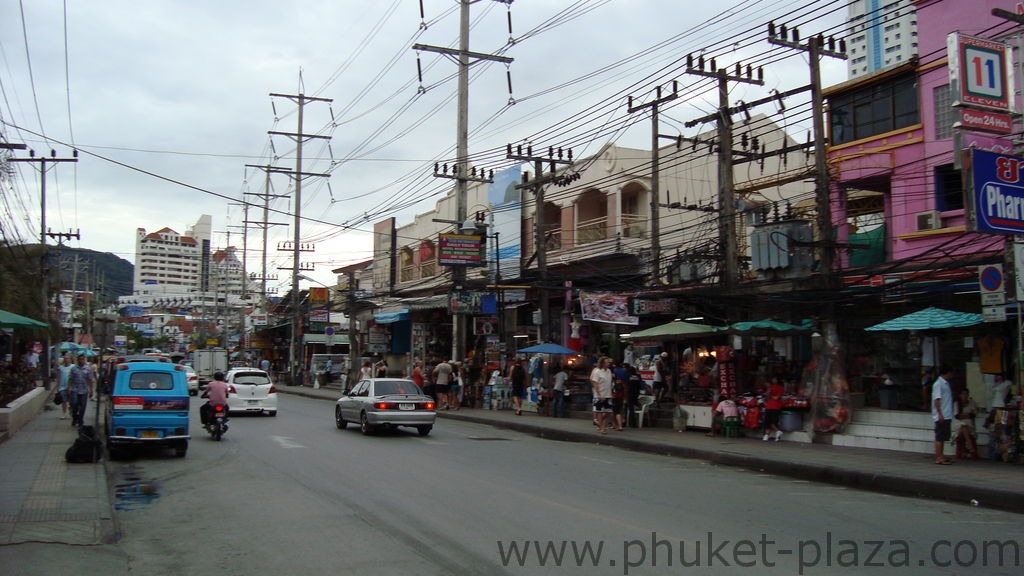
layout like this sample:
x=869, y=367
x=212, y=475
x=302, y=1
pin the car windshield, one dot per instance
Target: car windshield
x=251, y=379
x=385, y=387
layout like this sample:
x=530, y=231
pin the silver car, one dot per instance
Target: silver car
x=385, y=403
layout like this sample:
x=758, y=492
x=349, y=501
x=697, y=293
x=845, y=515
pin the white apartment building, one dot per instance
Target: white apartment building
x=882, y=33
x=167, y=262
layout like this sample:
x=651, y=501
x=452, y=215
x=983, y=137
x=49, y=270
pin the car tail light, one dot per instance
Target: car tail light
x=272, y=390
x=428, y=406
x=231, y=389
x=384, y=405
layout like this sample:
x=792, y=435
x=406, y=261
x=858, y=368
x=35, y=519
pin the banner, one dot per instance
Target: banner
x=606, y=307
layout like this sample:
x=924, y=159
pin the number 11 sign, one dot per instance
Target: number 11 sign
x=978, y=72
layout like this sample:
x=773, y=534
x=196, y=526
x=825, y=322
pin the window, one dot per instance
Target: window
x=943, y=112
x=875, y=109
x=949, y=192
x=151, y=381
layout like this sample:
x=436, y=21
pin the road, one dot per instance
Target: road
x=294, y=495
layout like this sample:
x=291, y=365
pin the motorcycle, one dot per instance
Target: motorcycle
x=216, y=419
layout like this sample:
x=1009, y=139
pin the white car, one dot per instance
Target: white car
x=193, y=380
x=251, y=390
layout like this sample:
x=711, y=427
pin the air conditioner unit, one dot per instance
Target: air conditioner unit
x=928, y=220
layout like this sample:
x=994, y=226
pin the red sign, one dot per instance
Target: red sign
x=987, y=121
x=978, y=69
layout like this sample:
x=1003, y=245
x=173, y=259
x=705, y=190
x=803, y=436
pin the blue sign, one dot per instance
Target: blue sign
x=998, y=192
x=991, y=278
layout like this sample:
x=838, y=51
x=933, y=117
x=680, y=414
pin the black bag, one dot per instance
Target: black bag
x=87, y=447
x=58, y=398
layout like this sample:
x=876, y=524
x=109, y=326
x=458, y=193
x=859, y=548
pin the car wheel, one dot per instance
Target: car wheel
x=273, y=413
x=339, y=420
x=364, y=424
x=424, y=430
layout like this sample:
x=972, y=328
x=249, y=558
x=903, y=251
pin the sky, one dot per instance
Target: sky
x=167, y=101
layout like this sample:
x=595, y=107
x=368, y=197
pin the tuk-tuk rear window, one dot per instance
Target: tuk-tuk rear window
x=151, y=381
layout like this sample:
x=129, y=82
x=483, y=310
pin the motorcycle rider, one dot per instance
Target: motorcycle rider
x=217, y=394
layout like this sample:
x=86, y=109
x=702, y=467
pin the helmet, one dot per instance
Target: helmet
x=218, y=375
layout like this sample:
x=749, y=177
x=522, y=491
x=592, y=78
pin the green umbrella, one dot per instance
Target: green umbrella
x=672, y=331
x=12, y=320
x=767, y=327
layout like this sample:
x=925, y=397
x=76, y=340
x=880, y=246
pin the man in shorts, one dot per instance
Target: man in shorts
x=601, y=382
x=942, y=412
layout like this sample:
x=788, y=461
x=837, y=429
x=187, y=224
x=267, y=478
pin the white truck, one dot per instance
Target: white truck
x=208, y=361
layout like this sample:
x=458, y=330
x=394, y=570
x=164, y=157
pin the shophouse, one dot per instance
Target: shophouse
x=904, y=226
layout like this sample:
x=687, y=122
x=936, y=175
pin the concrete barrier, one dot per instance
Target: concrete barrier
x=22, y=411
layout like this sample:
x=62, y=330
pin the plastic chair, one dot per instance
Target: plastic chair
x=731, y=427
x=642, y=404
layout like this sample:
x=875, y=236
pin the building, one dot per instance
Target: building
x=882, y=33
x=171, y=261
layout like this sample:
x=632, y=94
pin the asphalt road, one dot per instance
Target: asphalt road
x=294, y=495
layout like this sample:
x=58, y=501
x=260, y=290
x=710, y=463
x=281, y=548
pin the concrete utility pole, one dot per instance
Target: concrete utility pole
x=299, y=137
x=726, y=191
x=655, y=184
x=816, y=48
x=265, y=224
x=540, y=242
x=462, y=145
x=43, y=271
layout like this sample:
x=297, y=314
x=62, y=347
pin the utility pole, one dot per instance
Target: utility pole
x=299, y=137
x=537, y=186
x=43, y=271
x=462, y=144
x=265, y=224
x=816, y=47
x=655, y=184
x=726, y=192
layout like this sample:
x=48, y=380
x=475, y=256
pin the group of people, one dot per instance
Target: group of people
x=445, y=379
x=616, y=392
x=76, y=383
x=947, y=407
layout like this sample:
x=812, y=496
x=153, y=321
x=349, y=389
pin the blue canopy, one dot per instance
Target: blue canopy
x=547, y=348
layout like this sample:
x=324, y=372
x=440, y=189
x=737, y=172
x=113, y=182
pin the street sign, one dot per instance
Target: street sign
x=994, y=313
x=990, y=282
x=997, y=195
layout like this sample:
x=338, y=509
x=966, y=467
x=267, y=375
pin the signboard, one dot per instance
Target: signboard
x=994, y=313
x=990, y=283
x=485, y=326
x=120, y=341
x=997, y=195
x=641, y=306
x=610, y=308
x=460, y=250
x=258, y=319
x=986, y=121
x=978, y=72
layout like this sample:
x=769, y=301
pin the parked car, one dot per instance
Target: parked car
x=386, y=403
x=251, y=390
x=148, y=406
x=193, y=380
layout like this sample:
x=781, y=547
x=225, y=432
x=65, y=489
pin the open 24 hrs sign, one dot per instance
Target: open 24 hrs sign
x=979, y=73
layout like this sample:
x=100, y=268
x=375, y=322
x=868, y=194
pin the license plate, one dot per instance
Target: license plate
x=150, y=434
x=406, y=406
x=252, y=402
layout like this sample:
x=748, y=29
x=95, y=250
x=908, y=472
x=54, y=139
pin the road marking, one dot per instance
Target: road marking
x=286, y=442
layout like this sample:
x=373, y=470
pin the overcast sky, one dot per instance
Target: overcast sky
x=169, y=100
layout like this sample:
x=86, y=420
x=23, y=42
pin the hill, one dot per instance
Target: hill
x=109, y=276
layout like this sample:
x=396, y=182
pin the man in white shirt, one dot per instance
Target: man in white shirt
x=942, y=412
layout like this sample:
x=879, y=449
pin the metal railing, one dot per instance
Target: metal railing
x=593, y=230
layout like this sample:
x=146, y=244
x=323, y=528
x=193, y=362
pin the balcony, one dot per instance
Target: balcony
x=593, y=230
x=406, y=274
x=428, y=269
x=554, y=240
x=634, y=226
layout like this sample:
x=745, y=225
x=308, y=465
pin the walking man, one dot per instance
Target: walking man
x=80, y=384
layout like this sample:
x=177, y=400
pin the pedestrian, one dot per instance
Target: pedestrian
x=382, y=368
x=455, y=386
x=561, y=392
x=417, y=373
x=64, y=373
x=773, y=410
x=601, y=382
x=265, y=365
x=942, y=412
x=80, y=383
x=661, y=376
x=518, y=378
x=443, y=382
x=966, y=436
x=725, y=409
x=366, y=372
x=618, y=396
x=634, y=385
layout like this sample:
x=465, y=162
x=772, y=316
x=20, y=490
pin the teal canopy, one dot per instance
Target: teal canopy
x=12, y=320
x=767, y=327
x=928, y=319
x=672, y=331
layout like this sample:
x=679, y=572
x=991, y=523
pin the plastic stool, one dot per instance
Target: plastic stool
x=731, y=427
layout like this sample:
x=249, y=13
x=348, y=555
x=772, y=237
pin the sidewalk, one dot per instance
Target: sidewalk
x=43, y=498
x=992, y=484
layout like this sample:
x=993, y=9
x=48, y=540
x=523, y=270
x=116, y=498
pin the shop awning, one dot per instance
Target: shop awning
x=12, y=320
x=391, y=317
x=427, y=302
x=767, y=327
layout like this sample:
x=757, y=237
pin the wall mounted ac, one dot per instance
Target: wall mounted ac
x=928, y=220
